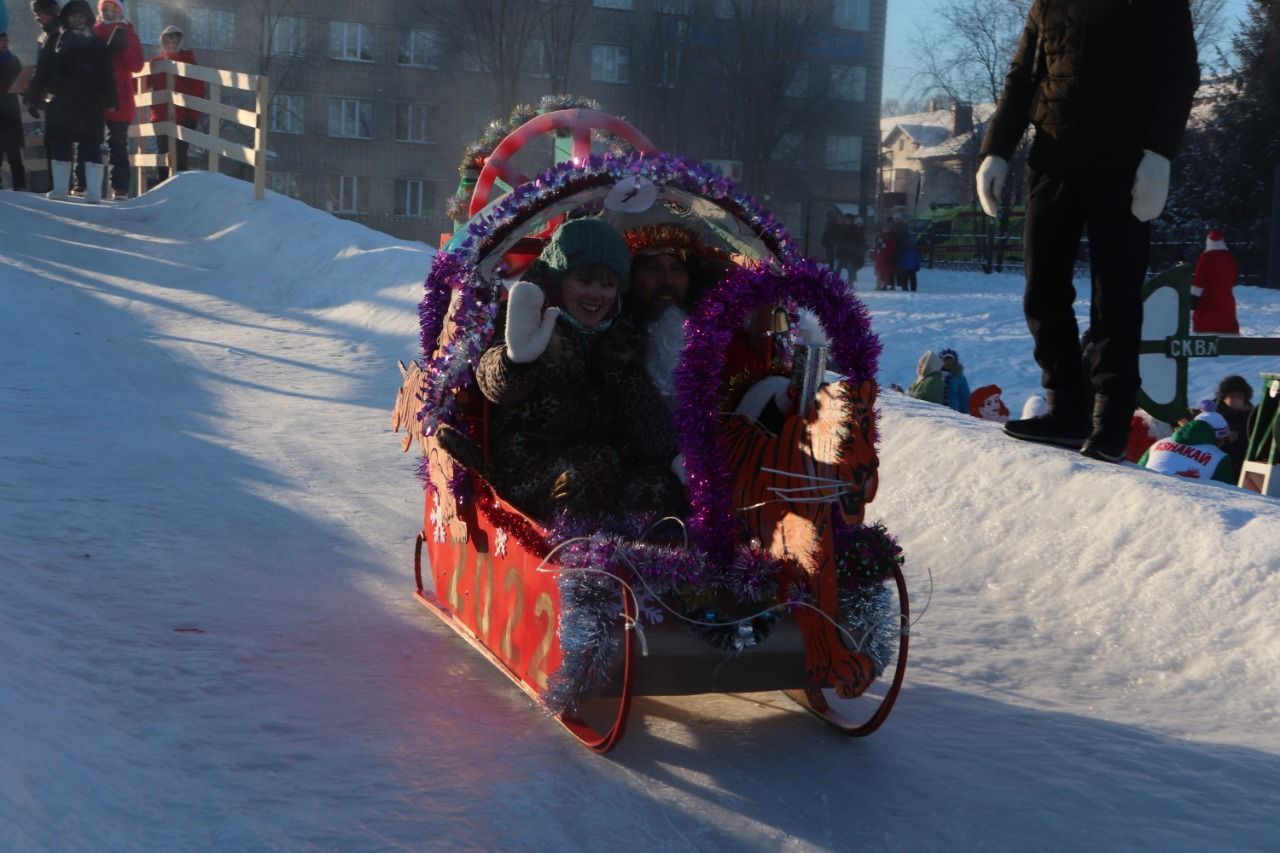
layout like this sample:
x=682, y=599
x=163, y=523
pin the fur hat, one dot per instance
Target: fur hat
x=948, y=353
x=582, y=242
x=1234, y=384
x=102, y=4
x=76, y=6
x=1217, y=421
x=172, y=30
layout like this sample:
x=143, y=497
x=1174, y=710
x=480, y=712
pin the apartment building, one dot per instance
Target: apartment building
x=373, y=101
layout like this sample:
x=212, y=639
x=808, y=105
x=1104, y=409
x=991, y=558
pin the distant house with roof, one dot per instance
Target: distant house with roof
x=931, y=158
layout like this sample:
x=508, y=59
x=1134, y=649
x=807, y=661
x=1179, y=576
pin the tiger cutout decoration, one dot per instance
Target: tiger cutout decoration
x=788, y=488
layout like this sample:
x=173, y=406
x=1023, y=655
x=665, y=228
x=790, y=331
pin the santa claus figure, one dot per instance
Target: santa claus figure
x=1213, y=305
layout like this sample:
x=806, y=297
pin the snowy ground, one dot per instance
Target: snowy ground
x=207, y=637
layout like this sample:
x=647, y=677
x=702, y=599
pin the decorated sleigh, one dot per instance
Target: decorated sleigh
x=772, y=581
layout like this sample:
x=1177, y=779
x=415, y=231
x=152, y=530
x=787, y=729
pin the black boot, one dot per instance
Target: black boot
x=1066, y=424
x=1109, y=440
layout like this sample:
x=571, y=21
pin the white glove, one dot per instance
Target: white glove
x=1150, y=186
x=529, y=328
x=677, y=468
x=991, y=175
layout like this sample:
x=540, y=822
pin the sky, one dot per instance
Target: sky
x=208, y=638
x=902, y=26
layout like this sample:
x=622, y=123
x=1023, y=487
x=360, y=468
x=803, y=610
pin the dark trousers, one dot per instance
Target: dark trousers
x=180, y=152
x=118, y=157
x=11, y=144
x=906, y=279
x=1058, y=211
x=67, y=129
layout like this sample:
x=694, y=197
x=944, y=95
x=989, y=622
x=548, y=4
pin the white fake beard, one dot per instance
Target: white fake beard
x=662, y=352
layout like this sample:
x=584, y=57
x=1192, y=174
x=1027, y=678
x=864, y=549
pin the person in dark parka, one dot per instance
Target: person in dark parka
x=12, y=136
x=78, y=82
x=1108, y=87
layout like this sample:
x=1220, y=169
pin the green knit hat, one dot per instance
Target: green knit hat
x=582, y=242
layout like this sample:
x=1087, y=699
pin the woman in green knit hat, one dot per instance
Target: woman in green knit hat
x=576, y=423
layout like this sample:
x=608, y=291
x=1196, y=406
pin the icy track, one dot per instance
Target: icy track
x=208, y=639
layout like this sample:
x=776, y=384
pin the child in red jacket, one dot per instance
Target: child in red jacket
x=126, y=59
x=171, y=48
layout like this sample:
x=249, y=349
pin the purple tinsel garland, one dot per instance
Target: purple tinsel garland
x=854, y=352
x=449, y=368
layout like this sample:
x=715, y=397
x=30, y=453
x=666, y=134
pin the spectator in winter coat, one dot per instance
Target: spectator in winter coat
x=576, y=424
x=1108, y=87
x=886, y=259
x=126, y=59
x=35, y=98
x=171, y=49
x=1235, y=403
x=851, y=247
x=908, y=264
x=12, y=136
x=928, y=385
x=985, y=403
x=79, y=83
x=1193, y=451
x=955, y=386
x=1213, y=305
x=830, y=230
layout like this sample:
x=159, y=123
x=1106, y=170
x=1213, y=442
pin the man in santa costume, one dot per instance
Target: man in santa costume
x=1213, y=305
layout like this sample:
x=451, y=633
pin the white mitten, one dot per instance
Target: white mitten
x=529, y=328
x=991, y=175
x=1150, y=186
x=677, y=468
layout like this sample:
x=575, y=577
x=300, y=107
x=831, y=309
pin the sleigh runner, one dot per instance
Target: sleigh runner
x=772, y=582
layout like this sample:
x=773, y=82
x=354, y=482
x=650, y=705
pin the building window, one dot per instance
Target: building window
x=844, y=153
x=350, y=119
x=288, y=37
x=849, y=82
x=285, y=183
x=148, y=20
x=537, y=62
x=350, y=41
x=798, y=85
x=852, y=15
x=411, y=123
x=610, y=63
x=673, y=7
x=411, y=198
x=214, y=29
x=669, y=73
x=611, y=4
x=285, y=114
x=346, y=194
x=420, y=49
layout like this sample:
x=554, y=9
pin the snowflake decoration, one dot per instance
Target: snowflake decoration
x=437, y=519
x=501, y=547
x=648, y=608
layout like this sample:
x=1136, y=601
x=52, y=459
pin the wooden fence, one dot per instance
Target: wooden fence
x=244, y=87
x=217, y=80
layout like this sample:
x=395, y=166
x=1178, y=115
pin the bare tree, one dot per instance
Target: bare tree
x=965, y=49
x=559, y=27
x=494, y=36
x=755, y=56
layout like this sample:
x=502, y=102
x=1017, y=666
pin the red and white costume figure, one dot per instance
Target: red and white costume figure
x=985, y=403
x=1213, y=303
x=1144, y=431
